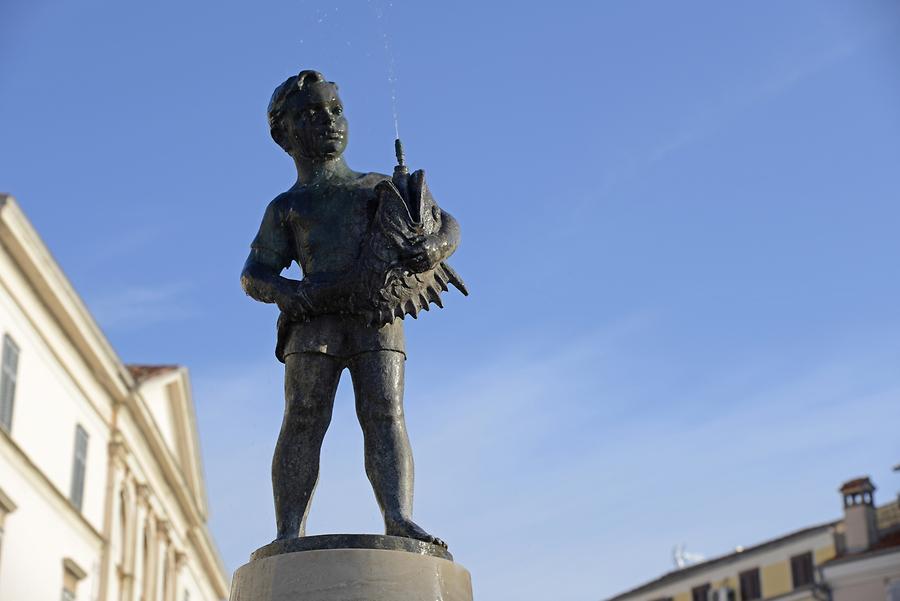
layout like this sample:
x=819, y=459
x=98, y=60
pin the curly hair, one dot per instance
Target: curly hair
x=289, y=95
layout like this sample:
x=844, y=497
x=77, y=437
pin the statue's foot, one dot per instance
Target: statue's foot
x=289, y=534
x=408, y=529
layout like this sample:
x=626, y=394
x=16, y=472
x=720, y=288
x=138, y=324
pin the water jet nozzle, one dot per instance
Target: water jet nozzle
x=401, y=173
x=398, y=150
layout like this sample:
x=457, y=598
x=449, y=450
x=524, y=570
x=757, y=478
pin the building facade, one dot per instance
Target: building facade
x=102, y=495
x=856, y=558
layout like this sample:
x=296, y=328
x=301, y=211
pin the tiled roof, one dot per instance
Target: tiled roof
x=857, y=485
x=144, y=372
x=887, y=544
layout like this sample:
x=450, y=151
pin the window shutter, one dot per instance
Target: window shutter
x=802, y=569
x=700, y=593
x=9, y=366
x=750, y=586
x=79, y=465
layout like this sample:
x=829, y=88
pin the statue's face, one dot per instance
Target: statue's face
x=317, y=129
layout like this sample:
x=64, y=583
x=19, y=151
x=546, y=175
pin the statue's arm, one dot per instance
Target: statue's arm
x=261, y=278
x=270, y=254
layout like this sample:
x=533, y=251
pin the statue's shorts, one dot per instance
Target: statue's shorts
x=340, y=336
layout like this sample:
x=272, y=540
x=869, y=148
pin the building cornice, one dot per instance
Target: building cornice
x=191, y=439
x=187, y=462
x=798, y=594
x=6, y=504
x=831, y=564
x=172, y=474
x=212, y=563
x=176, y=481
x=19, y=459
x=855, y=569
x=54, y=289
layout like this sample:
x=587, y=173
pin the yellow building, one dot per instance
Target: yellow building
x=856, y=558
x=102, y=495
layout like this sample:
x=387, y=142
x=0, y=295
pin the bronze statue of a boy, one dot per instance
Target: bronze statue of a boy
x=371, y=249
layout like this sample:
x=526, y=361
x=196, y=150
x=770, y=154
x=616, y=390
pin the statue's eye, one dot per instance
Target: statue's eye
x=338, y=110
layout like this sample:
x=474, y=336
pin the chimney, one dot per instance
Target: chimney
x=859, y=514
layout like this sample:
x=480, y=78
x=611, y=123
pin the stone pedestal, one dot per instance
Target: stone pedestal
x=351, y=568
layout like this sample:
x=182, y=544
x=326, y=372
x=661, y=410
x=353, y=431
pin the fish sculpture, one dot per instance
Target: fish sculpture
x=406, y=213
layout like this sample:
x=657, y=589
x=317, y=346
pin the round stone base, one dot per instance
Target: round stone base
x=321, y=542
x=351, y=575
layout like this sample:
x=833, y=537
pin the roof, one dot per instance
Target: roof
x=887, y=517
x=676, y=575
x=886, y=544
x=857, y=485
x=141, y=373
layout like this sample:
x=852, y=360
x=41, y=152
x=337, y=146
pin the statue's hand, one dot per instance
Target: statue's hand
x=294, y=306
x=313, y=298
x=423, y=254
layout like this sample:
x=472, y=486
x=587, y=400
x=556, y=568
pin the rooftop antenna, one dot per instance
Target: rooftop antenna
x=684, y=558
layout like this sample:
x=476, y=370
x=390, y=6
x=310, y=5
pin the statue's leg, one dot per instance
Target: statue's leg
x=378, y=386
x=310, y=383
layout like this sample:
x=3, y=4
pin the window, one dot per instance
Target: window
x=802, y=569
x=750, y=588
x=6, y=508
x=165, y=574
x=72, y=573
x=123, y=527
x=145, y=551
x=79, y=463
x=8, y=369
x=700, y=593
x=145, y=558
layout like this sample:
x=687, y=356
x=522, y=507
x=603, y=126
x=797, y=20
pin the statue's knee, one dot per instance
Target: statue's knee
x=305, y=416
x=382, y=412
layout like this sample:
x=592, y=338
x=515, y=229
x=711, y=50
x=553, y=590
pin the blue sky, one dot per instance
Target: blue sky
x=680, y=230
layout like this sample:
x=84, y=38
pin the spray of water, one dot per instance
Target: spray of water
x=391, y=63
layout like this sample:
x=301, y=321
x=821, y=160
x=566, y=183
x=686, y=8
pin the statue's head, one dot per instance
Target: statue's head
x=306, y=117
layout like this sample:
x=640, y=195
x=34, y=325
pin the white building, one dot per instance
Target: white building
x=101, y=488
